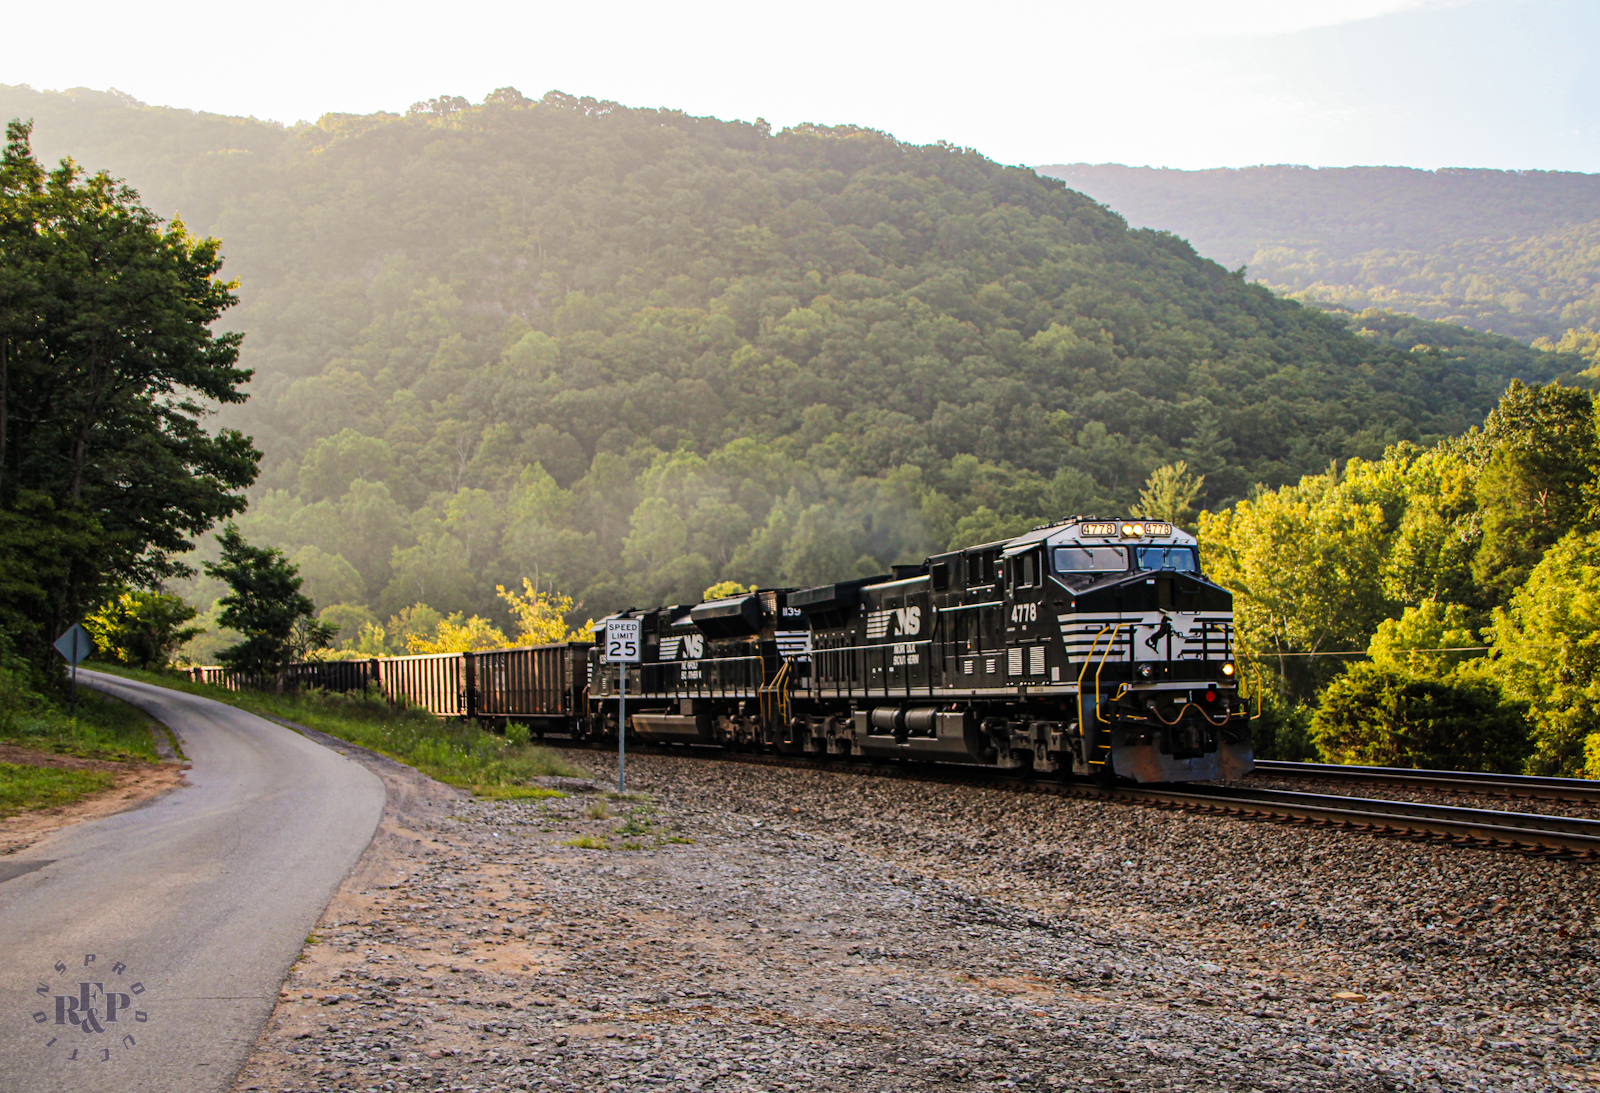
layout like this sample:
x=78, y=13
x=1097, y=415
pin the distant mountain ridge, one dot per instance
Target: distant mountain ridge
x=1513, y=252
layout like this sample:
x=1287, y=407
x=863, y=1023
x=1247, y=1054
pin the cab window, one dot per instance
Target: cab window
x=1025, y=570
x=1180, y=558
x=1090, y=559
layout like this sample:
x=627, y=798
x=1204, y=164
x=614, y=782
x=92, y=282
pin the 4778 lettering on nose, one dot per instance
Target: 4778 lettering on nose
x=92, y=1012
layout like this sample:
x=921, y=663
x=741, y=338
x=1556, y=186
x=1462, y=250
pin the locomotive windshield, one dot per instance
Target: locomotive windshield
x=1091, y=559
x=1180, y=558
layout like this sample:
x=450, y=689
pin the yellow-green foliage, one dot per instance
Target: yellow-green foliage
x=141, y=628
x=1430, y=638
x=1547, y=653
x=456, y=634
x=540, y=616
x=1583, y=343
x=1305, y=564
x=1318, y=567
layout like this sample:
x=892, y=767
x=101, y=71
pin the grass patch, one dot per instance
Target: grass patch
x=597, y=810
x=455, y=752
x=104, y=728
x=639, y=825
x=26, y=787
x=518, y=793
x=588, y=842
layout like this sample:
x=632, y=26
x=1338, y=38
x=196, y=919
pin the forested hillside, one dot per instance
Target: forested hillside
x=627, y=353
x=1515, y=252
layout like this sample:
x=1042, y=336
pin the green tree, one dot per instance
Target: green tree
x=1375, y=716
x=540, y=616
x=459, y=634
x=1429, y=639
x=328, y=578
x=350, y=621
x=1537, y=482
x=334, y=464
x=108, y=363
x=1547, y=652
x=265, y=605
x=1305, y=564
x=1170, y=494
x=141, y=628
x=417, y=621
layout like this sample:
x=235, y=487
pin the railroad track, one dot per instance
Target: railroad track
x=1561, y=837
x=1524, y=832
x=1498, y=785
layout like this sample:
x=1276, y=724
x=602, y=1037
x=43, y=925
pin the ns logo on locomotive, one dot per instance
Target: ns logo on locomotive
x=1091, y=648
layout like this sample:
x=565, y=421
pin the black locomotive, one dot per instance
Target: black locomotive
x=1090, y=647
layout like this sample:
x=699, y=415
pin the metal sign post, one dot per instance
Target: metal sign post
x=622, y=649
x=74, y=645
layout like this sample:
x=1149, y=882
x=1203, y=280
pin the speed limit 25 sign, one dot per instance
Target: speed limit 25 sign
x=622, y=641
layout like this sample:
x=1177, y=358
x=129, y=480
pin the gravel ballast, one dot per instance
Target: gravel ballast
x=746, y=928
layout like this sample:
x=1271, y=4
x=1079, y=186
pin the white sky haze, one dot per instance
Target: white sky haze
x=1423, y=83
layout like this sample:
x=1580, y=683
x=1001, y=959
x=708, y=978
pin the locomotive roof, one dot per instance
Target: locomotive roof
x=1073, y=531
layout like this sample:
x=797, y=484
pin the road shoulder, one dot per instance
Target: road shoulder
x=136, y=784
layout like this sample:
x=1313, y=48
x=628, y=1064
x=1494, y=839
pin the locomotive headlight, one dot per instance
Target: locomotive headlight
x=1147, y=671
x=1134, y=531
x=1227, y=669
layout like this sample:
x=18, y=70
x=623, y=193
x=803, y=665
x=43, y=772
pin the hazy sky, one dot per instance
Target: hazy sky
x=1179, y=83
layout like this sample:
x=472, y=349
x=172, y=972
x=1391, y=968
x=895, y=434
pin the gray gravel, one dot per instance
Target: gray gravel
x=841, y=931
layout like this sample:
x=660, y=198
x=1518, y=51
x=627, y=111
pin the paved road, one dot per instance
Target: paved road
x=192, y=907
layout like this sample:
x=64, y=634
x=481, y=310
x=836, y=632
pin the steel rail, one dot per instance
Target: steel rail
x=1502, y=785
x=1564, y=837
x=1528, y=832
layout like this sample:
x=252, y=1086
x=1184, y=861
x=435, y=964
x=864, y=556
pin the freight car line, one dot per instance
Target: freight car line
x=1502, y=785
x=1562, y=837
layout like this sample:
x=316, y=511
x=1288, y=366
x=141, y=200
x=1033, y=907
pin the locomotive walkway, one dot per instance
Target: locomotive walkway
x=158, y=938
